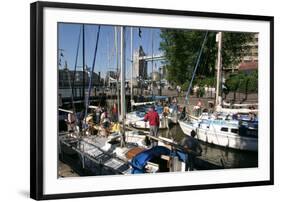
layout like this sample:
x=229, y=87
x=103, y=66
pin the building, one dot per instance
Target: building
x=111, y=78
x=139, y=66
x=250, y=61
x=65, y=82
x=163, y=71
x=66, y=78
x=253, y=54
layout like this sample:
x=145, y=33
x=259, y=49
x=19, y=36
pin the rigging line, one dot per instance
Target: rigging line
x=92, y=72
x=222, y=156
x=195, y=68
x=74, y=73
x=112, y=51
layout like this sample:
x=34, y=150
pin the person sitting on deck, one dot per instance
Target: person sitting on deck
x=98, y=114
x=105, y=124
x=104, y=118
x=71, y=122
x=183, y=113
x=153, y=118
x=192, y=148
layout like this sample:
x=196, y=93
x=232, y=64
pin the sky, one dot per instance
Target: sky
x=68, y=40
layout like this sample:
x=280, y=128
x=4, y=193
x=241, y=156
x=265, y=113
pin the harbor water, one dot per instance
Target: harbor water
x=229, y=158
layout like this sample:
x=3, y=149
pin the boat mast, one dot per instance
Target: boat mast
x=123, y=92
x=219, y=64
x=152, y=63
x=72, y=86
x=83, y=58
x=92, y=74
x=117, y=70
x=195, y=68
x=132, y=96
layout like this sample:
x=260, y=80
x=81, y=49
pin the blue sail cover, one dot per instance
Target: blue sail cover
x=139, y=161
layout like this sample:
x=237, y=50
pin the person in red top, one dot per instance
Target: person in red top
x=153, y=118
x=114, y=112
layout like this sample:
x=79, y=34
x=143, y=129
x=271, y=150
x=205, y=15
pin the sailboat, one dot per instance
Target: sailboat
x=223, y=131
x=117, y=153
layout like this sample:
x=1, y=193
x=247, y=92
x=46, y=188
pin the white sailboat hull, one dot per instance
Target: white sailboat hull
x=224, y=139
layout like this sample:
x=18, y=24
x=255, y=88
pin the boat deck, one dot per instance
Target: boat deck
x=92, y=156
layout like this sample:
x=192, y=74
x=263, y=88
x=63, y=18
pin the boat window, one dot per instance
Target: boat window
x=224, y=129
x=234, y=130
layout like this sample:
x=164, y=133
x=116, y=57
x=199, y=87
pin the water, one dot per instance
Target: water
x=231, y=158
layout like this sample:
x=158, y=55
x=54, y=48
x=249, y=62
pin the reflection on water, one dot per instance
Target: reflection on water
x=231, y=158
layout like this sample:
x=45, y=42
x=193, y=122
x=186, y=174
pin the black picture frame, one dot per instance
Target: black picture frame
x=37, y=99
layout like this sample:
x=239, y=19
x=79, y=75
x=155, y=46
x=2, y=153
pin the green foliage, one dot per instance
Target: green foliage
x=185, y=85
x=201, y=91
x=181, y=48
x=208, y=81
x=242, y=82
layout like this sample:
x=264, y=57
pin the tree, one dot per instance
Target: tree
x=234, y=82
x=243, y=83
x=181, y=48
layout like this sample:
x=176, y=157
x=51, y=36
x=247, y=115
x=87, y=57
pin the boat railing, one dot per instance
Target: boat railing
x=65, y=110
x=192, y=117
x=141, y=103
x=173, y=144
x=226, y=104
x=80, y=149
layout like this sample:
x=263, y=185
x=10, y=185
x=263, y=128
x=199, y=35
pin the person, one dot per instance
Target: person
x=71, y=122
x=174, y=101
x=192, y=148
x=174, y=105
x=199, y=103
x=98, y=113
x=252, y=116
x=104, y=115
x=199, y=107
x=211, y=107
x=183, y=113
x=114, y=112
x=178, y=90
x=166, y=112
x=153, y=118
x=235, y=116
x=105, y=123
